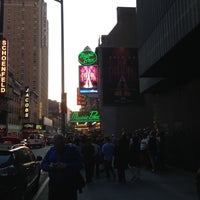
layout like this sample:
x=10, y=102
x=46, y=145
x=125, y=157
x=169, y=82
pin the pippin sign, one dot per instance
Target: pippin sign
x=3, y=69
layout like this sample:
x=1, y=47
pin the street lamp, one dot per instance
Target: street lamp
x=63, y=94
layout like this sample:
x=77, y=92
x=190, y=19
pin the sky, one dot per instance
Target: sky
x=84, y=22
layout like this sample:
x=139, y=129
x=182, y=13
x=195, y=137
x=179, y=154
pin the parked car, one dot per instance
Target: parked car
x=36, y=140
x=24, y=142
x=13, y=140
x=20, y=171
x=49, y=140
x=10, y=139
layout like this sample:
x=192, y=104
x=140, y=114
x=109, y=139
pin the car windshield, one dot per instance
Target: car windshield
x=34, y=137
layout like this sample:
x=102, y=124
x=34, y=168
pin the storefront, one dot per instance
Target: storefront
x=86, y=122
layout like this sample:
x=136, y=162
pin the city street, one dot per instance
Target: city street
x=166, y=185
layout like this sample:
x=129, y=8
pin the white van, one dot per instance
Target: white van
x=36, y=139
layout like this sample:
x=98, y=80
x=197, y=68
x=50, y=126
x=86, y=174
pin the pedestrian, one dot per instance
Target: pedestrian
x=143, y=150
x=97, y=157
x=134, y=157
x=152, y=150
x=88, y=153
x=121, y=157
x=63, y=163
x=108, y=154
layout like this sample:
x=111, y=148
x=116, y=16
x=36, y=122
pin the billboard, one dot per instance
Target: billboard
x=120, y=84
x=88, y=79
x=3, y=66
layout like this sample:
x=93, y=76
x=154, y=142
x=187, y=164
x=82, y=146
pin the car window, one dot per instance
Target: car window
x=32, y=156
x=5, y=157
x=22, y=156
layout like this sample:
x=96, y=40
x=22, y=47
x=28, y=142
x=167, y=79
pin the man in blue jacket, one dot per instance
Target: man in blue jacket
x=63, y=163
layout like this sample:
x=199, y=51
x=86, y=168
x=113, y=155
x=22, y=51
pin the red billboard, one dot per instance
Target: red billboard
x=120, y=84
x=88, y=79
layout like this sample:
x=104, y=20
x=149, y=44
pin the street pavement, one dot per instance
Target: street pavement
x=164, y=185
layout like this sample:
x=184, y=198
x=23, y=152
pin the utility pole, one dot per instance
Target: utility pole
x=63, y=94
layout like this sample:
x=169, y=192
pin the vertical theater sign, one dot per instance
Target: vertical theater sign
x=88, y=72
x=27, y=103
x=3, y=66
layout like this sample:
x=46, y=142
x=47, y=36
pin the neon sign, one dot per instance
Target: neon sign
x=3, y=67
x=88, y=79
x=27, y=103
x=92, y=116
x=87, y=57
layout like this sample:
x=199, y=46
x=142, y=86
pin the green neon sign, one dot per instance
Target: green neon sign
x=92, y=116
x=87, y=57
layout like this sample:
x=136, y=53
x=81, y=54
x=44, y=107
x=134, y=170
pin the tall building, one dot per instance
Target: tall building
x=121, y=105
x=26, y=29
x=1, y=18
x=168, y=53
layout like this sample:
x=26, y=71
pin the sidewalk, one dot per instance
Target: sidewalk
x=166, y=185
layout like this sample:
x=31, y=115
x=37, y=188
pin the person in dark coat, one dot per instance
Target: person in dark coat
x=152, y=150
x=134, y=157
x=88, y=153
x=63, y=163
x=121, y=157
x=108, y=153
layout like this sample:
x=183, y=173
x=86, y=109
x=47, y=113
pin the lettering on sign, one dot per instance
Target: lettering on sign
x=3, y=67
x=92, y=116
x=27, y=102
x=87, y=57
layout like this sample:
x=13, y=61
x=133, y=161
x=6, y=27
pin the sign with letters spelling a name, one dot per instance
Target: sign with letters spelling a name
x=27, y=103
x=92, y=116
x=3, y=66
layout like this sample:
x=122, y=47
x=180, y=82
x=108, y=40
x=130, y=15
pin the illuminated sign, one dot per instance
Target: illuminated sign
x=27, y=103
x=88, y=78
x=78, y=99
x=39, y=127
x=87, y=57
x=92, y=116
x=40, y=110
x=29, y=126
x=3, y=66
x=64, y=103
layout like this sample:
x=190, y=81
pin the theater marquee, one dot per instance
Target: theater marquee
x=3, y=66
x=92, y=116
